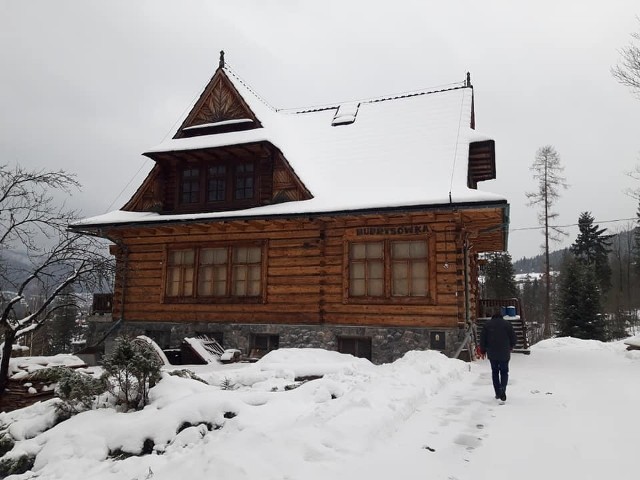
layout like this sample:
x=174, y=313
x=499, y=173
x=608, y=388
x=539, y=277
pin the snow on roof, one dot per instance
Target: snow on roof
x=219, y=124
x=400, y=151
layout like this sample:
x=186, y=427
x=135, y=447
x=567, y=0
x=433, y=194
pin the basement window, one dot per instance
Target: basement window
x=356, y=346
x=261, y=343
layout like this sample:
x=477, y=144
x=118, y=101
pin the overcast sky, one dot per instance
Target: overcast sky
x=88, y=86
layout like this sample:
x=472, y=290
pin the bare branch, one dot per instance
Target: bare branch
x=31, y=222
x=627, y=72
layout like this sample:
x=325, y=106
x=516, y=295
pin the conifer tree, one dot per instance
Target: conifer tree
x=592, y=248
x=63, y=326
x=499, y=276
x=579, y=311
x=547, y=170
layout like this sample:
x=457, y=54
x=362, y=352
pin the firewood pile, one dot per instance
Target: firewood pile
x=21, y=391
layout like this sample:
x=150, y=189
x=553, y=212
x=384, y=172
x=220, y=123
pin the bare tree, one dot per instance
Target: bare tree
x=627, y=72
x=33, y=224
x=547, y=171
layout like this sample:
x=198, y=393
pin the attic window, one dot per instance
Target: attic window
x=346, y=114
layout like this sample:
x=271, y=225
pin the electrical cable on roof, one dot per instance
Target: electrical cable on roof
x=394, y=96
x=455, y=152
x=228, y=68
x=181, y=118
x=126, y=186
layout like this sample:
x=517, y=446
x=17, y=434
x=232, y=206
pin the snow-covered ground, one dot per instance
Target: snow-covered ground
x=571, y=413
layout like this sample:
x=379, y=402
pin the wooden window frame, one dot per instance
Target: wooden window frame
x=192, y=180
x=388, y=297
x=195, y=297
x=230, y=177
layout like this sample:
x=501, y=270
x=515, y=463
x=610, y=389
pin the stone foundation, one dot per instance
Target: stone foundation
x=387, y=344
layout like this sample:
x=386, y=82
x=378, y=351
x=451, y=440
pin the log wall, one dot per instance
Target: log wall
x=306, y=263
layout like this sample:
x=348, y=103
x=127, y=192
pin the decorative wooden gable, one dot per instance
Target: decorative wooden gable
x=220, y=109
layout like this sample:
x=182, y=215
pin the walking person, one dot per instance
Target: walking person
x=497, y=341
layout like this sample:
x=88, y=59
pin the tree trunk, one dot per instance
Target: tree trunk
x=547, y=270
x=7, y=348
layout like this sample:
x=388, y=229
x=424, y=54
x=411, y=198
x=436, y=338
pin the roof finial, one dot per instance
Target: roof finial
x=468, y=79
x=221, y=64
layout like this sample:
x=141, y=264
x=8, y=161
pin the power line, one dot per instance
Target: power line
x=571, y=224
x=126, y=186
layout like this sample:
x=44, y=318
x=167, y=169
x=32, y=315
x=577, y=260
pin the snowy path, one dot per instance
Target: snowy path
x=558, y=422
x=572, y=413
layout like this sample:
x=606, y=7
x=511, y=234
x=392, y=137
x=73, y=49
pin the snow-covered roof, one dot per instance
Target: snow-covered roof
x=399, y=151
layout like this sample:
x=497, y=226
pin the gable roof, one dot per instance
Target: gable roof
x=397, y=151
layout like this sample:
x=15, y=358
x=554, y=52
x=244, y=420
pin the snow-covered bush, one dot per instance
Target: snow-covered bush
x=78, y=391
x=130, y=371
x=16, y=466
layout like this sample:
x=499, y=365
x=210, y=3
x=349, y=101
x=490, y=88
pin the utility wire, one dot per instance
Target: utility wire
x=571, y=224
x=126, y=186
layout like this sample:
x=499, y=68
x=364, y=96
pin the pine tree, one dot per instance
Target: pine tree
x=63, y=326
x=592, y=248
x=547, y=170
x=578, y=311
x=499, y=276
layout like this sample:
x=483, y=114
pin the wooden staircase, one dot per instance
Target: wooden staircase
x=488, y=306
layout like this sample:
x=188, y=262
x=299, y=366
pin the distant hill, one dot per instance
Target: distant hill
x=13, y=265
x=536, y=264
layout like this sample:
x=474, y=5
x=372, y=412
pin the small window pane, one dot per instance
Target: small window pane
x=357, y=270
x=253, y=254
x=418, y=249
x=374, y=250
x=400, y=249
x=376, y=270
x=376, y=288
x=357, y=287
x=358, y=251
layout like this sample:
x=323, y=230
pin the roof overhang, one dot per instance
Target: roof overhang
x=96, y=227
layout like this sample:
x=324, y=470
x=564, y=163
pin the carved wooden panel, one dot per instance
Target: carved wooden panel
x=222, y=103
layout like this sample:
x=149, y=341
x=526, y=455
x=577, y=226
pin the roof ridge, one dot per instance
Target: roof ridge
x=382, y=98
x=330, y=106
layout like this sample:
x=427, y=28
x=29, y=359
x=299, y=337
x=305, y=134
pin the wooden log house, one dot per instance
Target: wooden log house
x=353, y=227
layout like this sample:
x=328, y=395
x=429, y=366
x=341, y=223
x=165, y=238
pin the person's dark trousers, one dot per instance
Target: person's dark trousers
x=500, y=375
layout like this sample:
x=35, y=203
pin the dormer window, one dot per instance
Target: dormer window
x=244, y=181
x=191, y=185
x=217, y=185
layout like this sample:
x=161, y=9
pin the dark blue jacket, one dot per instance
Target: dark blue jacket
x=498, y=338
